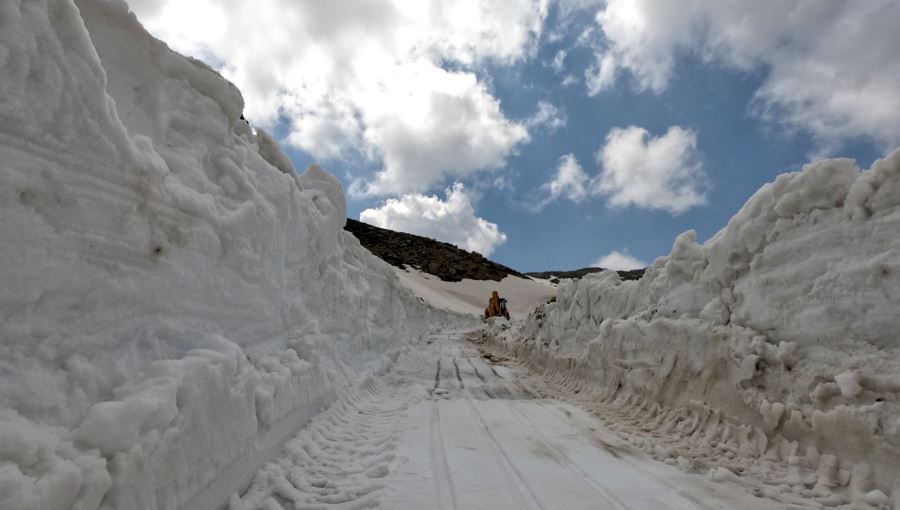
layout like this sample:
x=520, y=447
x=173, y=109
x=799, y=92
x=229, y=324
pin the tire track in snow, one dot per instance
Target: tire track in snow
x=506, y=463
x=553, y=387
x=567, y=462
x=340, y=458
x=650, y=477
x=437, y=375
x=477, y=373
x=570, y=465
x=484, y=384
x=443, y=480
x=514, y=477
x=458, y=378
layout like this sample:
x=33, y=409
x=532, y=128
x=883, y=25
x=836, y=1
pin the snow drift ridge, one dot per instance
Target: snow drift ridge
x=176, y=300
x=784, y=325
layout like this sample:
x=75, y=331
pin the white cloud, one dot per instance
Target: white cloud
x=455, y=129
x=631, y=28
x=548, y=117
x=569, y=80
x=367, y=76
x=831, y=66
x=559, y=61
x=651, y=172
x=637, y=169
x=600, y=76
x=618, y=261
x=503, y=183
x=569, y=181
x=452, y=220
x=570, y=11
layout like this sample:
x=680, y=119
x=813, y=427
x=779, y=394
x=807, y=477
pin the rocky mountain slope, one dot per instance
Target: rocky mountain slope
x=443, y=260
x=446, y=261
x=631, y=274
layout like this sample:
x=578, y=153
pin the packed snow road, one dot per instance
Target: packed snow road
x=452, y=427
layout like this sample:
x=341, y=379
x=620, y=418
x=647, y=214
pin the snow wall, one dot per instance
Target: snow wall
x=176, y=301
x=785, y=325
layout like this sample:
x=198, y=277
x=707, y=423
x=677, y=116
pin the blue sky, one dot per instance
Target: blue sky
x=435, y=131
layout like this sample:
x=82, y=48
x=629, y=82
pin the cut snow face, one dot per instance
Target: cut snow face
x=174, y=296
x=776, y=339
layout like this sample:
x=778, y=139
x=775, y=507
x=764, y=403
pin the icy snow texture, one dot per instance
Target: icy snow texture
x=786, y=320
x=175, y=299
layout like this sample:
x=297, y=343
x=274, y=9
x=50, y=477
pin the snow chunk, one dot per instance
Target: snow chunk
x=115, y=425
x=877, y=190
x=821, y=185
x=334, y=206
x=848, y=382
x=877, y=498
x=271, y=152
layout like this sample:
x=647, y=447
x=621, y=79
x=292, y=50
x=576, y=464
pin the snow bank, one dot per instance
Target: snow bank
x=471, y=296
x=785, y=322
x=176, y=300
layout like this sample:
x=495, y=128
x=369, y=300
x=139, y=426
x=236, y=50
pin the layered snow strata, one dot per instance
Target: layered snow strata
x=785, y=322
x=175, y=299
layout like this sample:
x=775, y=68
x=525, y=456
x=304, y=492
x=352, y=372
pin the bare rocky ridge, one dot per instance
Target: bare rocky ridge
x=631, y=274
x=446, y=261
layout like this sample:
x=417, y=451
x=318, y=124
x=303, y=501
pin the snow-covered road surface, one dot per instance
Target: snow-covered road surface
x=450, y=427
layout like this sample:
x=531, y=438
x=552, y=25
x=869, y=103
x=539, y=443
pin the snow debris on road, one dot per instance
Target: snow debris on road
x=176, y=301
x=770, y=352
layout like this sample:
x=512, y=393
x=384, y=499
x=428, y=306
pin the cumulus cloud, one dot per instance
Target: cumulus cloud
x=618, y=261
x=637, y=169
x=569, y=80
x=831, y=66
x=570, y=11
x=661, y=172
x=547, y=117
x=601, y=75
x=367, y=77
x=559, y=61
x=569, y=181
x=452, y=220
x=456, y=130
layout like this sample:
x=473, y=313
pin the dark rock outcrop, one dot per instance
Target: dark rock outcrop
x=631, y=274
x=443, y=260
